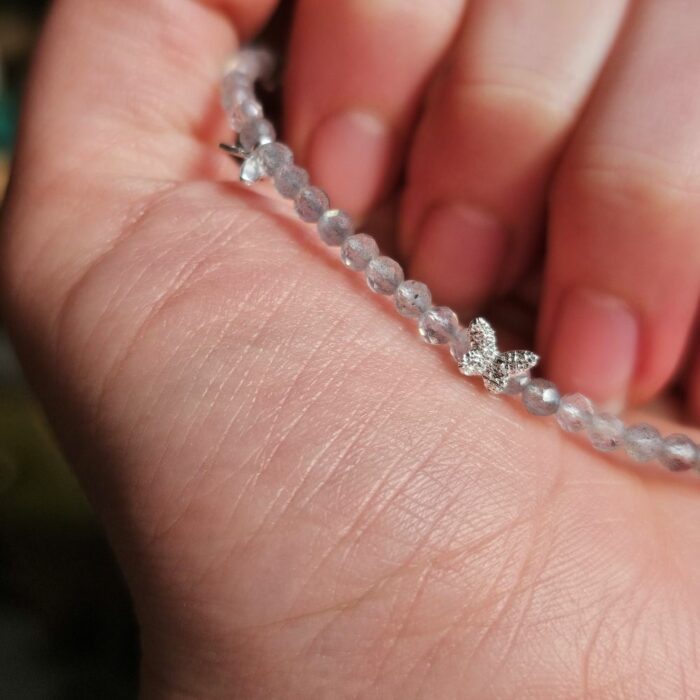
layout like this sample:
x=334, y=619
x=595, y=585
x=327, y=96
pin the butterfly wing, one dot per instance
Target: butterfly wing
x=495, y=383
x=507, y=365
x=482, y=348
x=482, y=338
x=473, y=363
x=516, y=362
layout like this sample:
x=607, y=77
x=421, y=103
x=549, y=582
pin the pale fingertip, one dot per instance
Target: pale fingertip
x=460, y=252
x=594, y=347
x=350, y=157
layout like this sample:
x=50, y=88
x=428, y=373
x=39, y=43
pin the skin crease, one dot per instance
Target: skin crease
x=306, y=500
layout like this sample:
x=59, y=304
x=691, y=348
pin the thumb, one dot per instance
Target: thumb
x=122, y=99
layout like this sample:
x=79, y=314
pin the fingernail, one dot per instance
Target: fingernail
x=350, y=157
x=459, y=252
x=593, y=347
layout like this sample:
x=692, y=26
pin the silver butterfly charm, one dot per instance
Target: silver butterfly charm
x=485, y=361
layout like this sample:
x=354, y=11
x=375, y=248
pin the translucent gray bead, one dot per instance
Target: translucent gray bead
x=245, y=110
x=605, y=431
x=575, y=411
x=383, y=274
x=412, y=298
x=461, y=344
x=273, y=156
x=335, y=226
x=642, y=442
x=235, y=89
x=254, y=62
x=255, y=133
x=290, y=180
x=310, y=203
x=251, y=169
x=541, y=397
x=265, y=160
x=679, y=453
x=438, y=325
x=233, y=98
x=357, y=251
x=516, y=385
x=239, y=77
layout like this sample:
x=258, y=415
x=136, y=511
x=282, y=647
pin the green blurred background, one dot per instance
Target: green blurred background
x=66, y=626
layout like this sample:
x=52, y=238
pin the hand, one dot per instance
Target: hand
x=308, y=502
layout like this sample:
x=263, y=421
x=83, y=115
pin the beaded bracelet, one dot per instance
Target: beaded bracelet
x=474, y=348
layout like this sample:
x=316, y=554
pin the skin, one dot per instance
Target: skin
x=305, y=500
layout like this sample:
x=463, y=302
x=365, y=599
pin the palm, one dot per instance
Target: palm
x=307, y=502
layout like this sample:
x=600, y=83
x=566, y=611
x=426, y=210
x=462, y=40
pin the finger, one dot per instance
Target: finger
x=622, y=271
x=119, y=100
x=357, y=70
x=495, y=123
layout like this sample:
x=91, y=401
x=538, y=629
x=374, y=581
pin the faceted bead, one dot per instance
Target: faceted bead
x=384, y=275
x=357, y=251
x=251, y=169
x=412, y=298
x=438, y=325
x=247, y=110
x=335, y=226
x=273, y=156
x=461, y=344
x=290, y=180
x=541, y=397
x=605, y=431
x=235, y=89
x=254, y=63
x=265, y=160
x=245, y=64
x=575, y=411
x=516, y=385
x=232, y=98
x=255, y=133
x=311, y=203
x=679, y=453
x=642, y=442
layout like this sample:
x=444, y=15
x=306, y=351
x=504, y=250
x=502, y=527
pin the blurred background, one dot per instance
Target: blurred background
x=66, y=626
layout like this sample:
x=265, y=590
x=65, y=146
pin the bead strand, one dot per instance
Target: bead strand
x=264, y=156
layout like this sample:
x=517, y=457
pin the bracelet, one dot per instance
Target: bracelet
x=474, y=347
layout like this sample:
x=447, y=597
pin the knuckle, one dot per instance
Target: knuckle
x=524, y=95
x=620, y=177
